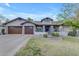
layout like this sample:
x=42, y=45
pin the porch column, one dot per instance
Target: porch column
x=60, y=28
x=6, y=30
x=34, y=29
x=43, y=28
x=23, y=30
x=51, y=29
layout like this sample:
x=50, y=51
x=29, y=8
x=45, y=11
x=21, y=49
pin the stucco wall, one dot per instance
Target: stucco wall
x=64, y=30
x=77, y=32
x=28, y=24
x=39, y=33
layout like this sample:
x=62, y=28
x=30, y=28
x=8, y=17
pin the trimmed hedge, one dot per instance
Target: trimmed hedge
x=45, y=35
x=55, y=34
x=72, y=33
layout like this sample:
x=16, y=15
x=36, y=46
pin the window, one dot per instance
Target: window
x=39, y=29
x=56, y=28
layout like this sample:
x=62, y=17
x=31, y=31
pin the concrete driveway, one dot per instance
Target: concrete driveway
x=9, y=44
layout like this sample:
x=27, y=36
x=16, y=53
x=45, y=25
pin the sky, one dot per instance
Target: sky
x=36, y=11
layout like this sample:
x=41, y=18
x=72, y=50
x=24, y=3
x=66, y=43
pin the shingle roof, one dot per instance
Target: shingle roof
x=35, y=22
x=48, y=23
x=18, y=18
x=27, y=22
x=46, y=19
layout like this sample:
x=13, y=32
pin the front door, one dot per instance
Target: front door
x=47, y=28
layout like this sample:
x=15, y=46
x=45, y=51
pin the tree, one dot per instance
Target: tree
x=3, y=18
x=74, y=20
x=70, y=16
x=29, y=19
x=67, y=11
x=73, y=23
x=7, y=20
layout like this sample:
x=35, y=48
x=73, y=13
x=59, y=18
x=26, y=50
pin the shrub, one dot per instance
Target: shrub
x=72, y=33
x=55, y=34
x=36, y=51
x=3, y=31
x=45, y=35
x=30, y=49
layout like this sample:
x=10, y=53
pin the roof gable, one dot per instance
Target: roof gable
x=27, y=22
x=47, y=19
x=18, y=18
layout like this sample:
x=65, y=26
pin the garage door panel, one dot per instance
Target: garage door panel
x=28, y=29
x=15, y=30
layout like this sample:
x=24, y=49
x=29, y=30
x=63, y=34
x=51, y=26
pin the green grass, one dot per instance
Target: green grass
x=69, y=46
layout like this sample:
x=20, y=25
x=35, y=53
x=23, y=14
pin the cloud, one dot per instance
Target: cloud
x=36, y=17
x=7, y=4
x=12, y=14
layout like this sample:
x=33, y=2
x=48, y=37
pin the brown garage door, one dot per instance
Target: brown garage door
x=28, y=29
x=15, y=30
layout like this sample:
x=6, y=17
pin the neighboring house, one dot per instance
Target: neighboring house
x=46, y=25
x=1, y=27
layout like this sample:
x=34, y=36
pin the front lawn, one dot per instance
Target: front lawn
x=68, y=46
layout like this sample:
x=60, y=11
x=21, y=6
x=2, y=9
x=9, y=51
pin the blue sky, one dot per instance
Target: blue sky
x=37, y=11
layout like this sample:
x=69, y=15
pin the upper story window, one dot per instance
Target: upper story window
x=47, y=19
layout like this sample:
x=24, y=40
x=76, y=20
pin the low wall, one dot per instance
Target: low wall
x=63, y=33
x=39, y=33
